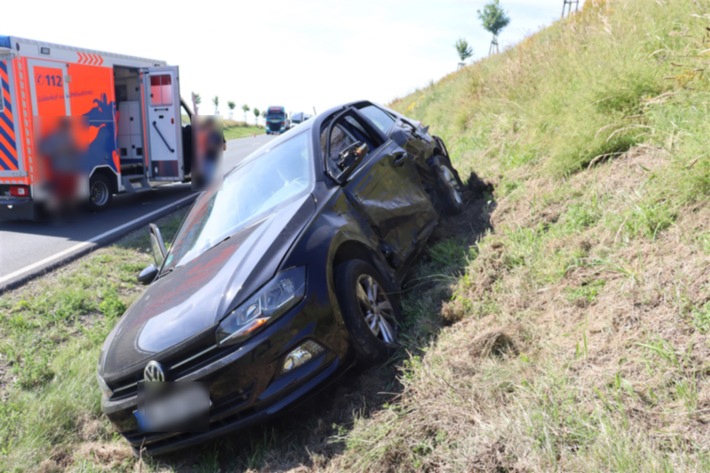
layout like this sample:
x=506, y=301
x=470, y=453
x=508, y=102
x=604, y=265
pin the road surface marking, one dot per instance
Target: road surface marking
x=80, y=246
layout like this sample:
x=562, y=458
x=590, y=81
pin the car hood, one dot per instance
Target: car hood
x=181, y=306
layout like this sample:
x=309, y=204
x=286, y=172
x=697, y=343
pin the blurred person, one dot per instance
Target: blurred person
x=60, y=154
x=209, y=144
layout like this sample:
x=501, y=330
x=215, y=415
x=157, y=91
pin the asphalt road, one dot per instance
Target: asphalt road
x=30, y=248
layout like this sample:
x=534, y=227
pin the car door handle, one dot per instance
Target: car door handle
x=399, y=158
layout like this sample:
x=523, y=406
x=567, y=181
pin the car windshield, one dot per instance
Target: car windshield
x=248, y=194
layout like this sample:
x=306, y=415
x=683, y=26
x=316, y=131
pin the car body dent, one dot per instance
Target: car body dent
x=382, y=214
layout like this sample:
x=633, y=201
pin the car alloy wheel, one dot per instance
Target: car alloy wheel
x=376, y=309
x=370, y=310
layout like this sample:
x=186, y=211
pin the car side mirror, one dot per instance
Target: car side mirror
x=148, y=274
x=350, y=157
x=157, y=245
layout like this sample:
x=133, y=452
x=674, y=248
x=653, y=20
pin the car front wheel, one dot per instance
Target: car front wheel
x=370, y=310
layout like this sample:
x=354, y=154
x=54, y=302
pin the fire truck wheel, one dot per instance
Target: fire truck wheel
x=99, y=192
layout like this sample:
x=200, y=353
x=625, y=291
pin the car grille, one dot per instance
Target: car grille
x=127, y=389
x=275, y=126
x=178, y=368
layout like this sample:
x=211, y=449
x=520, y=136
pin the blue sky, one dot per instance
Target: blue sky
x=301, y=54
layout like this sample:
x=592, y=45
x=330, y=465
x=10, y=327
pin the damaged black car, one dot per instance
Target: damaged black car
x=279, y=278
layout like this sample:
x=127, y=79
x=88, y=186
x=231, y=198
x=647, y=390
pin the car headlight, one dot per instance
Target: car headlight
x=273, y=299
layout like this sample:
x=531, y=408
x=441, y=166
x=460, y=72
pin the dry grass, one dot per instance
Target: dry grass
x=532, y=379
x=577, y=337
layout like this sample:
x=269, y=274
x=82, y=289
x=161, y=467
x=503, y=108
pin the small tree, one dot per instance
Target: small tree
x=196, y=101
x=215, y=101
x=256, y=115
x=465, y=51
x=494, y=19
x=246, y=109
x=231, y=105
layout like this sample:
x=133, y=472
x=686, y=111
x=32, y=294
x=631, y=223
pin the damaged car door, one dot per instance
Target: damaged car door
x=383, y=184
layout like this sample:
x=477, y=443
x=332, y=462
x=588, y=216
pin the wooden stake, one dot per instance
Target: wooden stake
x=567, y=7
x=494, y=46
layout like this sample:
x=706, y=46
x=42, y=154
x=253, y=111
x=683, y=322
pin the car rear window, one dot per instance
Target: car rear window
x=379, y=118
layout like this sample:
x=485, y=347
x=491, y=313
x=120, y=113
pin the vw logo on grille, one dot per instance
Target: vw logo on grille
x=153, y=372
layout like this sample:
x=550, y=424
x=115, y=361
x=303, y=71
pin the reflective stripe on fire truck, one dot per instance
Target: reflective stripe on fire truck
x=8, y=146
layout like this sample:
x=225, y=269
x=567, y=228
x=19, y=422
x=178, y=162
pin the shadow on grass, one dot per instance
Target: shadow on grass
x=312, y=433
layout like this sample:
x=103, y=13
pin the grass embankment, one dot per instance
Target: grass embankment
x=579, y=337
x=572, y=336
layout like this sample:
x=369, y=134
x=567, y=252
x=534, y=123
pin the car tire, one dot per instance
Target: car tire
x=372, y=322
x=449, y=186
x=100, y=193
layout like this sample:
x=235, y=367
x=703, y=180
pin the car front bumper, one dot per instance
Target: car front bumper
x=247, y=385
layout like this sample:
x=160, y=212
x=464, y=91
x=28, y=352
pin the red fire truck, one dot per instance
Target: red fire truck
x=126, y=122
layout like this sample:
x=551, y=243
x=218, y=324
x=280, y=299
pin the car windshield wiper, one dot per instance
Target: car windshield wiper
x=209, y=245
x=221, y=241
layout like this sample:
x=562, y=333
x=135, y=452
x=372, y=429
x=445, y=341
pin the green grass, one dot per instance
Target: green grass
x=240, y=131
x=701, y=318
x=586, y=293
x=234, y=129
x=51, y=331
x=579, y=92
x=594, y=132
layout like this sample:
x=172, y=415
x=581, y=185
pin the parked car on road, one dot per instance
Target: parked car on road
x=283, y=276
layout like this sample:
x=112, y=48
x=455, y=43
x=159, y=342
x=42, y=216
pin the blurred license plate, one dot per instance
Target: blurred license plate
x=173, y=407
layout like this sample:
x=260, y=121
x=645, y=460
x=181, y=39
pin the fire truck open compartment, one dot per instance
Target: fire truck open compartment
x=132, y=137
x=128, y=109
